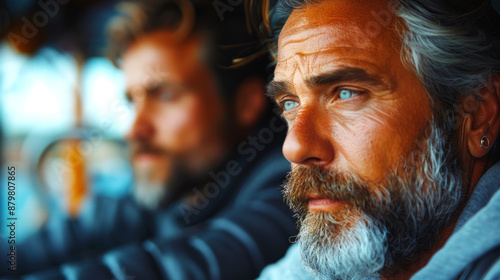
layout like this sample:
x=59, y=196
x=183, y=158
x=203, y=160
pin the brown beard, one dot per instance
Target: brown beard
x=418, y=198
x=302, y=181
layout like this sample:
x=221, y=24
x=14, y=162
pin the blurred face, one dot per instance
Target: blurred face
x=179, y=129
x=360, y=140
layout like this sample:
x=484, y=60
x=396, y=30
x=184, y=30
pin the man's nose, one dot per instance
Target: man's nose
x=308, y=139
x=142, y=128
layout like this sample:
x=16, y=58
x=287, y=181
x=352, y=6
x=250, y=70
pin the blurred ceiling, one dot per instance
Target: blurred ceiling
x=77, y=26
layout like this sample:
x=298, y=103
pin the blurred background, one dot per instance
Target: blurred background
x=63, y=113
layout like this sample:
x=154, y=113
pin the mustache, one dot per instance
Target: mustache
x=303, y=181
x=147, y=148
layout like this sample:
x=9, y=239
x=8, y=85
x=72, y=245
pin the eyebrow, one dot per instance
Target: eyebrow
x=274, y=88
x=148, y=88
x=128, y=95
x=349, y=74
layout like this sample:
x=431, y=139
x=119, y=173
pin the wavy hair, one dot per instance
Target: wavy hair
x=229, y=46
x=454, y=49
x=452, y=46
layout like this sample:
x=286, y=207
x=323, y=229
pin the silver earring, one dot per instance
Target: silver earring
x=485, y=142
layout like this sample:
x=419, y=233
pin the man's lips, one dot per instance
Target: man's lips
x=147, y=156
x=318, y=203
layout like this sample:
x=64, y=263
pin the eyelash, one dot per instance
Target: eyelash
x=281, y=104
x=337, y=91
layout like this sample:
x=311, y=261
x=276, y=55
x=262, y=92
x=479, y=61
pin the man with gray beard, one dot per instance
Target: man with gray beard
x=393, y=115
x=378, y=225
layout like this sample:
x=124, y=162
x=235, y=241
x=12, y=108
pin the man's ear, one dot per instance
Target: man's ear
x=485, y=119
x=250, y=101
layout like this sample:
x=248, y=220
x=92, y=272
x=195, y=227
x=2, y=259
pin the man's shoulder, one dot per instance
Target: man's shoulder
x=118, y=215
x=289, y=267
x=271, y=165
x=262, y=176
x=487, y=267
x=487, y=264
x=475, y=238
x=245, y=183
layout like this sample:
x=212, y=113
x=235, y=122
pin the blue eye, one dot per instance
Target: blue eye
x=289, y=105
x=347, y=93
x=166, y=96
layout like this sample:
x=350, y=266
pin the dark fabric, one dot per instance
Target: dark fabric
x=481, y=267
x=228, y=233
x=476, y=233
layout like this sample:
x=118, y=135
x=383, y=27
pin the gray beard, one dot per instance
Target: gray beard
x=384, y=225
x=153, y=195
x=149, y=195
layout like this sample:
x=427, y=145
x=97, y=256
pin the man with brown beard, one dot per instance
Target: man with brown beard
x=206, y=151
x=393, y=113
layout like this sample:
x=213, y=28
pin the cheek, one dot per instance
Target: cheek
x=370, y=143
x=178, y=125
x=366, y=151
x=191, y=124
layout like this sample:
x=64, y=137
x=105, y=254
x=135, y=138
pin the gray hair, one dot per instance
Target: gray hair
x=454, y=48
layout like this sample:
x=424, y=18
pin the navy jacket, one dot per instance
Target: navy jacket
x=231, y=230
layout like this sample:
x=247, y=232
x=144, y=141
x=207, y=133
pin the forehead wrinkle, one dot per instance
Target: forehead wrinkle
x=347, y=74
x=319, y=46
x=299, y=38
x=311, y=30
x=302, y=62
x=344, y=32
x=376, y=78
x=317, y=53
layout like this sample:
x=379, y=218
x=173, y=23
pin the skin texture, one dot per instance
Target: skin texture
x=362, y=134
x=179, y=113
x=365, y=133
